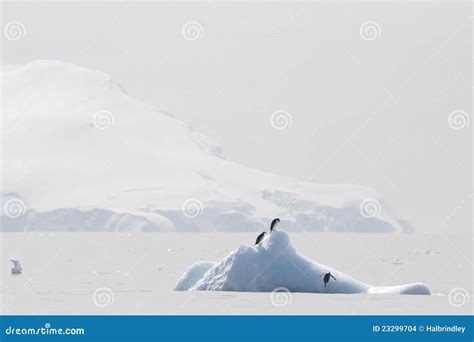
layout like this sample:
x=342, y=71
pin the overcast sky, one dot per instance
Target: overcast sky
x=367, y=106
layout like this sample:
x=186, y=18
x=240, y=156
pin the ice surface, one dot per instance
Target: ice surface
x=71, y=266
x=80, y=154
x=274, y=264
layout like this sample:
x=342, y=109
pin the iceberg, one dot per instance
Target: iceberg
x=276, y=264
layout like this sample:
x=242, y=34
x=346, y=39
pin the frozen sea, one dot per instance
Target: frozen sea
x=136, y=273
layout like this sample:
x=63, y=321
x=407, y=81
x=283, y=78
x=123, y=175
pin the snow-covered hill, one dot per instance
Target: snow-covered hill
x=78, y=153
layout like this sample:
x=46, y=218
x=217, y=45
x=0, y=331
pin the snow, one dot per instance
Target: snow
x=64, y=276
x=80, y=154
x=192, y=276
x=276, y=264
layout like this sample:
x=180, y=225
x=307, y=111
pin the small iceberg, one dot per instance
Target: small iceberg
x=273, y=264
x=16, y=269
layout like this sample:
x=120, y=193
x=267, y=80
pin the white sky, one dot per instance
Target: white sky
x=306, y=58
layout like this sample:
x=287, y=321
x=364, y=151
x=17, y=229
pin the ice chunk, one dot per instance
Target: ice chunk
x=276, y=264
x=194, y=273
x=16, y=269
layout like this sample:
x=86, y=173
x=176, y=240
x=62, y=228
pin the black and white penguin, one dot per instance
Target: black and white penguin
x=326, y=278
x=260, y=238
x=273, y=224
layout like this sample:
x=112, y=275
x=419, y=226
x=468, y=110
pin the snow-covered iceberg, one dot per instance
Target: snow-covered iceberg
x=80, y=154
x=276, y=264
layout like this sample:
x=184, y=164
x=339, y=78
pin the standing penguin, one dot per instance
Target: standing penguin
x=327, y=277
x=260, y=238
x=273, y=224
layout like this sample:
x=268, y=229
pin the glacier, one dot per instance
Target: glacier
x=80, y=154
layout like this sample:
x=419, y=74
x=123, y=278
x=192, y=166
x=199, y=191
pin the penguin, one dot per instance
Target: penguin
x=260, y=238
x=273, y=224
x=327, y=277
